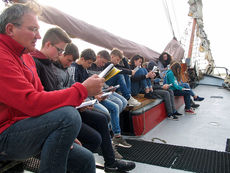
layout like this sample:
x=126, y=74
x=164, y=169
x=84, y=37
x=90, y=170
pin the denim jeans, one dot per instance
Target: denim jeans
x=95, y=133
x=140, y=86
x=186, y=85
x=80, y=160
x=186, y=95
x=124, y=82
x=51, y=135
x=98, y=107
x=114, y=113
x=119, y=100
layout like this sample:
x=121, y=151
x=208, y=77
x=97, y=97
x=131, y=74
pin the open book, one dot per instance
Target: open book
x=155, y=69
x=87, y=103
x=109, y=72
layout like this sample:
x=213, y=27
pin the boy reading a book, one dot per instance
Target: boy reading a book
x=87, y=58
x=102, y=58
x=122, y=78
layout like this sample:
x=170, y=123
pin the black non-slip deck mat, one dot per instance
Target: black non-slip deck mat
x=227, y=149
x=177, y=157
x=32, y=164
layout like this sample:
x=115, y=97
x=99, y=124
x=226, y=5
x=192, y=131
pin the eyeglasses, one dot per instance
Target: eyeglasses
x=59, y=50
x=30, y=28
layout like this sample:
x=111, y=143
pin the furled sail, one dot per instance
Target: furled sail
x=175, y=50
x=89, y=33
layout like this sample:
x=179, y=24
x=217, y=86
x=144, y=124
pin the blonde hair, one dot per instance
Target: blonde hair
x=117, y=52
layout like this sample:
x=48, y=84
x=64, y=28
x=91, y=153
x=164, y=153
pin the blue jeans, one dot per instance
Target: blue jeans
x=140, y=86
x=95, y=133
x=98, y=107
x=124, y=82
x=186, y=85
x=119, y=100
x=52, y=135
x=114, y=113
x=186, y=95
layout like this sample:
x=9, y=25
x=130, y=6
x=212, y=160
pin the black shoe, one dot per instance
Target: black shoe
x=155, y=95
x=177, y=113
x=199, y=98
x=195, y=105
x=148, y=95
x=120, y=165
x=173, y=117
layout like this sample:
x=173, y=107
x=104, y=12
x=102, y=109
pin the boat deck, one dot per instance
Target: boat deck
x=208, y=129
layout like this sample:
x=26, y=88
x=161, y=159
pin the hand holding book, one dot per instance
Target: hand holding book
x=87, y=103
x=109, y=72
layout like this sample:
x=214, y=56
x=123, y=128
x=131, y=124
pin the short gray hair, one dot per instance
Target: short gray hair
x=14, y=14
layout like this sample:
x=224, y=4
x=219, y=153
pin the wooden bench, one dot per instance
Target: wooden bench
x=141, y=119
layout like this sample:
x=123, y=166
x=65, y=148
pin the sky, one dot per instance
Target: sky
x=146, y=22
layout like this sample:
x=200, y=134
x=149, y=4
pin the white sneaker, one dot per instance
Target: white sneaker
x=133, y=102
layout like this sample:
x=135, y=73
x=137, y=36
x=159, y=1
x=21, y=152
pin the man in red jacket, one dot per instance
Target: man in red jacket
x=33, y=121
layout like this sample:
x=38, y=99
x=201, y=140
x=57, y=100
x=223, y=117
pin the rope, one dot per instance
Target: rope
x=153, y=139
x=177, y=25
x=168, y=16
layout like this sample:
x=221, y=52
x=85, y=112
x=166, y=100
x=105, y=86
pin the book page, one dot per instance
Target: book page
x=106, y=70
x=112, y=73
x=87, y=103
x=109, y=72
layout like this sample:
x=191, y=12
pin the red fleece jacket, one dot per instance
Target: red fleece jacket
x=21, y=91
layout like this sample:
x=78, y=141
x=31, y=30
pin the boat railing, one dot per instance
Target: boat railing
x=221, y=72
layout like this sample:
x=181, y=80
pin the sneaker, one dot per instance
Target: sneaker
x=173, y=117
x=177, y=114
x=116, y=153
x=119, y=141
x=120, y=166
x=148, y=96
x=133, y=102
x=195, y=105
x=198, y=98
x=190, y=111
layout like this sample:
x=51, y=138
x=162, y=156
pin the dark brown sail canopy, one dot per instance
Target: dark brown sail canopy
x=175, y=50
x=89, y=33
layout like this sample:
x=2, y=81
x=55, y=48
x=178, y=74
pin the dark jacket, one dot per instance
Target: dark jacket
x=94, y=69
x=65, y=76
x=125, y=69
x=80, y=74
x=45, y=71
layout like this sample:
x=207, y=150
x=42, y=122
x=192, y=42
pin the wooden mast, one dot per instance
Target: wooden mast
x=192, y=39
x=186, y=65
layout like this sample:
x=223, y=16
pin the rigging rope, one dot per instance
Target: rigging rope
x=168, y=16
x=177, y=25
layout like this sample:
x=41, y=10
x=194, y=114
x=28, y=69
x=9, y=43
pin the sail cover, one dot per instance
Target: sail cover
x=175, y=50
x=89, y=33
